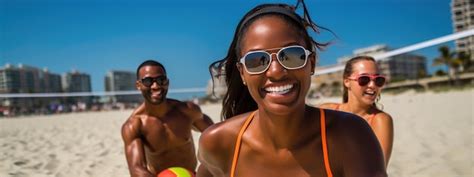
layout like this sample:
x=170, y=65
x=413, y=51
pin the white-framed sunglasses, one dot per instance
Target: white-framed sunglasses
x=290, y=57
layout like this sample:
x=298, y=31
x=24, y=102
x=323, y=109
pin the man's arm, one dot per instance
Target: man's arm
x=202, y=123
x=134, y=151
x=200, y=120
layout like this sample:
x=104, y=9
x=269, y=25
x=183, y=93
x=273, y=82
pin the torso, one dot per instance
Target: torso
x=256, y=157
x=257, y=160
x=167, y=140
x=380, y=123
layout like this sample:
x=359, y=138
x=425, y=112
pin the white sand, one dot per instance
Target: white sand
x=433, y=137
x=433, y=133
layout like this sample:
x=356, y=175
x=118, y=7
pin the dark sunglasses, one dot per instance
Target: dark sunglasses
x=364, y=80
x=291, y=57
x=160, y=80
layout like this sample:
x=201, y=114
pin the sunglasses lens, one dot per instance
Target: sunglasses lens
x=292, y=57
x=160, y=80
x=379, y=81
x=147, y=81
x=257, y=62
x=363, y=80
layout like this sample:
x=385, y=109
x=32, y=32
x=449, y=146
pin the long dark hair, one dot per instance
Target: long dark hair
x=348, y=70
x=237, y=99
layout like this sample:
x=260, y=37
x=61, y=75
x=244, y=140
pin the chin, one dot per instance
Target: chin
x=282, y=109
x=155, y=101
x=368, y=101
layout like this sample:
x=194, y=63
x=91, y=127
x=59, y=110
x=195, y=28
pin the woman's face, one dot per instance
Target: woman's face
x=363, y=94
x=277, y=90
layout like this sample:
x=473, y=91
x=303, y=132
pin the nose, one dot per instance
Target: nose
x=154, y=85
x=276, y=70
x=371, y=83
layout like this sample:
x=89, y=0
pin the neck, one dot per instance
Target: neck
x=285, y=131
x=158, y=110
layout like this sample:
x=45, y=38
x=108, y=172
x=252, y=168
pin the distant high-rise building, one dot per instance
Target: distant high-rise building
x=76, y=81
x=121, y=81
x=10, y=79
x=395, y=68
x=51, y=82
x=463, y=19
x=398, y=67
x=28, y=79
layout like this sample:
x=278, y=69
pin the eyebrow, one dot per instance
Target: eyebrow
x=270, y=49
x=370, y=74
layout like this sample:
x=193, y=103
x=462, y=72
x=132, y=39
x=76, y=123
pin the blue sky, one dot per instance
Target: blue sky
x=186, y=36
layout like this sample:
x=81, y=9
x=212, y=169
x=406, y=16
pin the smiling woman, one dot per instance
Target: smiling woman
x=268, y=128
x=362, y=88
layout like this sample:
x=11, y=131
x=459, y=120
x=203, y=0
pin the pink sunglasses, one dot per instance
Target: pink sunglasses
x=365, y=79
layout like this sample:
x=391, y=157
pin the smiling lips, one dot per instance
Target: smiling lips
x=279, y=90
x=370, y=93
x=156, y=94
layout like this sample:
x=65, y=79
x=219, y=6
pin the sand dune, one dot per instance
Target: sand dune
x=433, y=137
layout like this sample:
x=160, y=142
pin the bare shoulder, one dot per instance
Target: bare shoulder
x=131, y=127
x=328, y=105
x=215, y=136
x=187, y=107
x=383, y=115
x=383, y=118
x=192, y=107
x=133, y=124
x=217, y=142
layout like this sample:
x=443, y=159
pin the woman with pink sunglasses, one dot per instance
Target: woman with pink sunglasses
x=362, y=84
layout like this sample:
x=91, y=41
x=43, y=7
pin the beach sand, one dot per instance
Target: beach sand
x=433, y=137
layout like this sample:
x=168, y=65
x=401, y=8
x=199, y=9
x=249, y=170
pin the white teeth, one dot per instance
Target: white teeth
x=370, y=92
x=279, y=89
x=156, y=93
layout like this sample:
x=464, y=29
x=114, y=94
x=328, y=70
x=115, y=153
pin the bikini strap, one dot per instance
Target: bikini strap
x=247, y=123
x=324, y=143
x=238, y=142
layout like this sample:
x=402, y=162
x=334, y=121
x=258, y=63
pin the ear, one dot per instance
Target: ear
x=137, y=85
x=347, y=82
x=241, y=72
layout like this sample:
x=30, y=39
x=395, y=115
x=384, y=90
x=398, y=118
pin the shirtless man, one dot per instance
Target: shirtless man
x=158, y=133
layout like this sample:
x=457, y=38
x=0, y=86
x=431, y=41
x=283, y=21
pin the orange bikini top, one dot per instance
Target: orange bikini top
x=247, y=123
